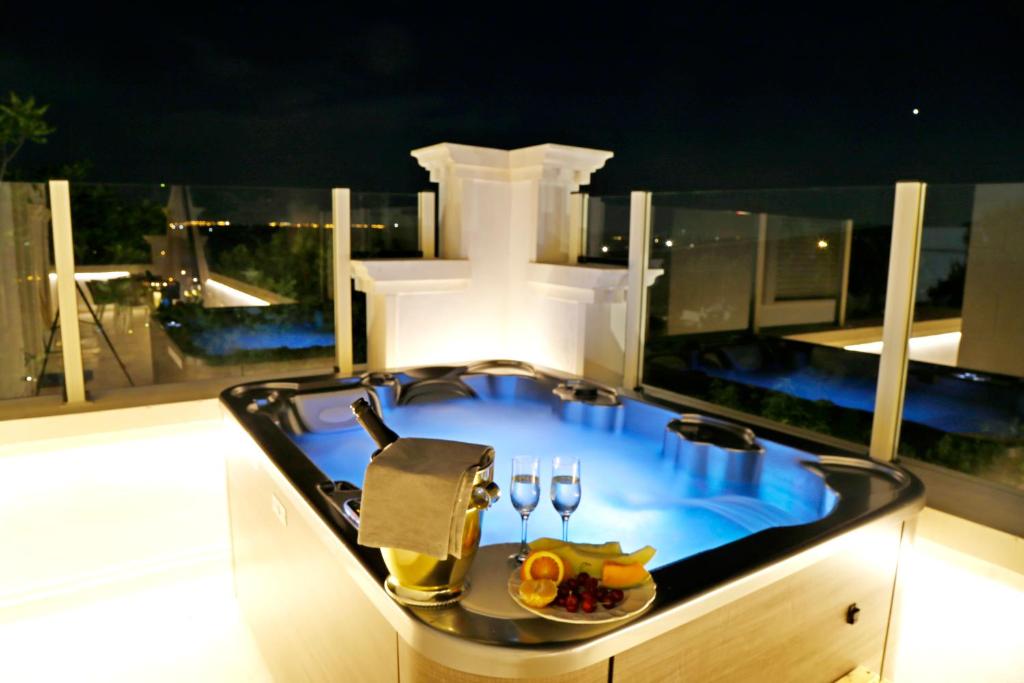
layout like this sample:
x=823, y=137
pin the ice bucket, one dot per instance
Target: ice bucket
x=418, y=579
x=413, y=577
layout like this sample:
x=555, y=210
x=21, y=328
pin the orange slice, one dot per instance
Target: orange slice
x=539, y=592
x=543, y=564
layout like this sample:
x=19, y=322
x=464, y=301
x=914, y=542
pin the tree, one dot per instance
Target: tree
x=21, y=121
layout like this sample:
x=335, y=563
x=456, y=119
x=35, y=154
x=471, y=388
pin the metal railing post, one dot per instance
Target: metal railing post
x=67, y=295
x=341, y=215
x=636, y=294
x=426, y=203
x=904, y=256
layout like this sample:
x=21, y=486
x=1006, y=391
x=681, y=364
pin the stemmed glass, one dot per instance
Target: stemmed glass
x=565, y=489
x=525, y=495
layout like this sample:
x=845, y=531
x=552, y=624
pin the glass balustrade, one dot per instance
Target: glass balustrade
x=385, y=225
x=606, y=230
x=964, y=404
x=757, y=297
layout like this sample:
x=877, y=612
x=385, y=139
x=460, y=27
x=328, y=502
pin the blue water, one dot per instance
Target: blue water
x=224, y=342
x=630, y=493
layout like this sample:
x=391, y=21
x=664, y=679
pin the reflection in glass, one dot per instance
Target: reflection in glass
x=385, y=225
x=757, y=295
x=30, y=360
x=182, y=283
x=606, y=230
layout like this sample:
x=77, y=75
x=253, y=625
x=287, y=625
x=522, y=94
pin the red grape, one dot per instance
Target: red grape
x=572, y=603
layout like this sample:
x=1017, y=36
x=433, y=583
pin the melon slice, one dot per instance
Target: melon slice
x=615, y=575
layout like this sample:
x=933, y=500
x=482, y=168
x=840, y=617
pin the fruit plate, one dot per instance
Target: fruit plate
x=635, y=601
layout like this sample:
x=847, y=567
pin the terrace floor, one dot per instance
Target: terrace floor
x=183, y=630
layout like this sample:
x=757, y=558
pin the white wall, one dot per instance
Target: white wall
x=993, y=327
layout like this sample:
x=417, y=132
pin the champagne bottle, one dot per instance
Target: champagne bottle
x=371, y=422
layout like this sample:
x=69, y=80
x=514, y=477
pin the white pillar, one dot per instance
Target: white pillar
x=67, y=296
x=636, y=297
x=904, y=254
x=577, y=226
x=426, y=211
x=341, y=217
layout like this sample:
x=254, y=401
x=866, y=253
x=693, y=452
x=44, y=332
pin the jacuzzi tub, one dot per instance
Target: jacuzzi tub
x=733, y=517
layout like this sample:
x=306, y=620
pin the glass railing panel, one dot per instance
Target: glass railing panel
x=964, y=404
x=200, y=283
x=606, y=230
x=31, y=361
x=385, y=225
x=759, y=296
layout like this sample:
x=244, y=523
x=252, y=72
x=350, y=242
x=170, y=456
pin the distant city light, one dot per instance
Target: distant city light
x=28, y=378
x=604, y=249
x=396, y=225
x=916, y=111
x=668, y=243
x=163, y=253
x=183, y=272
x=198, y=224
x=822, y=244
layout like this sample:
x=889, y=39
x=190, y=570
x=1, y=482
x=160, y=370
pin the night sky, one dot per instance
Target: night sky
x=686, y=96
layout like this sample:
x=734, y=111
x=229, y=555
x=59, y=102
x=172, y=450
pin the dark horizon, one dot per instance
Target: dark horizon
x=715, y=98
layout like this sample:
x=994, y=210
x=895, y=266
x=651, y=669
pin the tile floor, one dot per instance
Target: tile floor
x=187, y=630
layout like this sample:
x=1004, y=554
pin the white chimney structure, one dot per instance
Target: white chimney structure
x=506, y=283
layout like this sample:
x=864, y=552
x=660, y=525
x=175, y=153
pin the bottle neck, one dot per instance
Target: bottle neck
x=371, y=422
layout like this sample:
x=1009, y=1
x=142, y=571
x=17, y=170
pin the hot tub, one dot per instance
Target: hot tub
x=762, y=542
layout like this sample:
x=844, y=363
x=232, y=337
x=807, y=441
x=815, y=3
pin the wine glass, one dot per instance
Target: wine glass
x=565, y=489
x=525, y=495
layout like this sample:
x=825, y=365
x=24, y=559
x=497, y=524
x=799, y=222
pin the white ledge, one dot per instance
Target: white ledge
x=410, y=276
x=562, y=164
x=583, y=284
